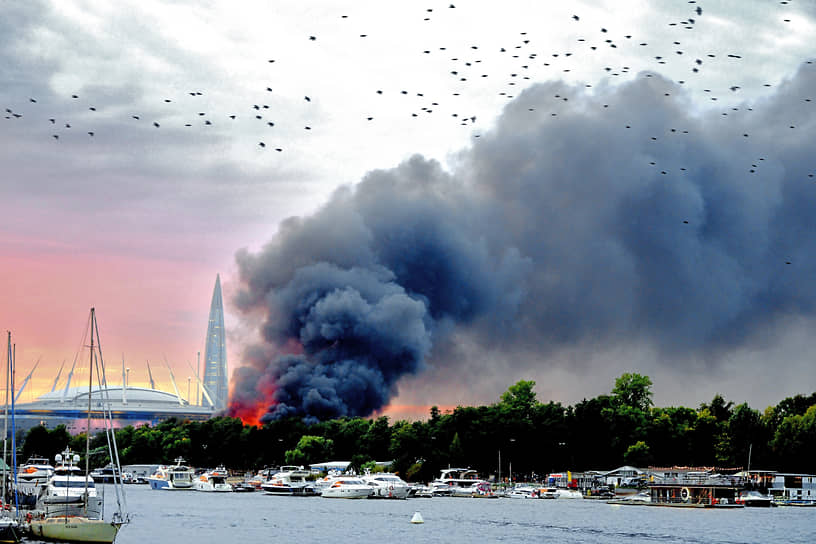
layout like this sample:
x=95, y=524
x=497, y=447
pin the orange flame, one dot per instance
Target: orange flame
x=249, y=414
x=250, y=411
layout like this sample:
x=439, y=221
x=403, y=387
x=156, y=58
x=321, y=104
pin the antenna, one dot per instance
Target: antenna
x=198, y=365
x=150, y=375
x=173, y=381
x=68, y=383
x=203, y=389
x=25, y=382
x=56, y=380
x=124, y=381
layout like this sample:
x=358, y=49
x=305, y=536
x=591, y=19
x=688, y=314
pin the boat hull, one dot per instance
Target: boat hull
x=10, y=530
x=346, y=492
x=166, y=485
x=75, y=529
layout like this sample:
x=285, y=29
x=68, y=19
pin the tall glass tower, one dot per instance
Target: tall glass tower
x=215, y=355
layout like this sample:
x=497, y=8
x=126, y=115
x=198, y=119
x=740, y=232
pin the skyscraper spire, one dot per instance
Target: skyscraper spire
x=215, y=355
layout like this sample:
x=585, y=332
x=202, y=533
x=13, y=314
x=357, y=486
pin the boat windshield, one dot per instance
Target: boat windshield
x=71, y=484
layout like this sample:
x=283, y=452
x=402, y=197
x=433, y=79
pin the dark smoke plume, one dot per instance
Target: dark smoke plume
x=625, y=214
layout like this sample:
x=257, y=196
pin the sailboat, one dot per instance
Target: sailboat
x=88, y=527
x=9, y=527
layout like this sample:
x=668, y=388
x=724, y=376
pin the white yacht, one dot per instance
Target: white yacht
x=65, y=492
x=387, y=485
x=35, y=470
x=289, y=480
x=456, y=482
x=213, y=480
x=347, y=487
x=176, y=478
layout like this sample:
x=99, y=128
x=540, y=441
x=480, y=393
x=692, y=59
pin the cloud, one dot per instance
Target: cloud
x=620, y=213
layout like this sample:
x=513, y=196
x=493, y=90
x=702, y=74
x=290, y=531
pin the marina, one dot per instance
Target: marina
x=211, y=518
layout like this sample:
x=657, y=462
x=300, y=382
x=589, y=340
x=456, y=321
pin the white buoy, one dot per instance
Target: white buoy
x=417, y=518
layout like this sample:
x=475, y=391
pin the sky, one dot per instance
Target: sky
x=558, y=192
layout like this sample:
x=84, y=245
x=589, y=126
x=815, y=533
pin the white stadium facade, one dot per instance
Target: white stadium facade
x=128, y=406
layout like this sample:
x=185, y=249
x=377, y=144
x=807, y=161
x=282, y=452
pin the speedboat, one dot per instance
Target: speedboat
x=387, y=485
x=69, y=492
x=347, y=487
x=35, y=470
x=213, y=480
x=176, y=478
x=290, y=480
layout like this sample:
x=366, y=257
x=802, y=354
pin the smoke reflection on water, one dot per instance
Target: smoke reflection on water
x=163, y=517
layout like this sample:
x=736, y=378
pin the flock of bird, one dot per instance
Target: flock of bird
x=519, y=65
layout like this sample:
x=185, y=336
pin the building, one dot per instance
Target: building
x=134, y=405
x=128, y=406
x=215, y=355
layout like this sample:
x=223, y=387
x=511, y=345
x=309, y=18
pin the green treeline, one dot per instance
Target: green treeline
x=604, y=432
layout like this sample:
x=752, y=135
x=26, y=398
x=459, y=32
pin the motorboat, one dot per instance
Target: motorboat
x=178, y=477
x=244, y=487
x=566, y=493
x=523, y=492
x=290, y=480
x=387, y=485
x=754, y=498
x=636, y=498
x=421, y=491
x=347, y=487
x=35, y=470
x=547, y=492
x=69, y=492
x=482, y=490
x=456, y=482
x=213, y=480
x=105, y=475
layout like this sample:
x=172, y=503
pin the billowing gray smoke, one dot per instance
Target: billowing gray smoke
x=615, y=213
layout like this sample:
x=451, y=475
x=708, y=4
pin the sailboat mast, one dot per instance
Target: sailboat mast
x=5, y=415
x=88, y=427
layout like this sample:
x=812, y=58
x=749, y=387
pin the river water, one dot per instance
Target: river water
x=166, y=517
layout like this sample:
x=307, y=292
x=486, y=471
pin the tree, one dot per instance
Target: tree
x=520, y=397
x=638, y=454
x=633, y=390
x=310, y=449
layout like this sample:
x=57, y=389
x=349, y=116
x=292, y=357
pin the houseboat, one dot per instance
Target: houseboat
x=696, y=490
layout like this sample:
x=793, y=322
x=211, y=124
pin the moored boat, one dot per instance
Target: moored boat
x=456, y=482
x=755, y=499
x=696, y=490
x=178, y=477
x=290, y=480
x=35, y=470
x=386, y=485
x=74, y=529
x=69, y=492
x=347, y=487
x=213, y=481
